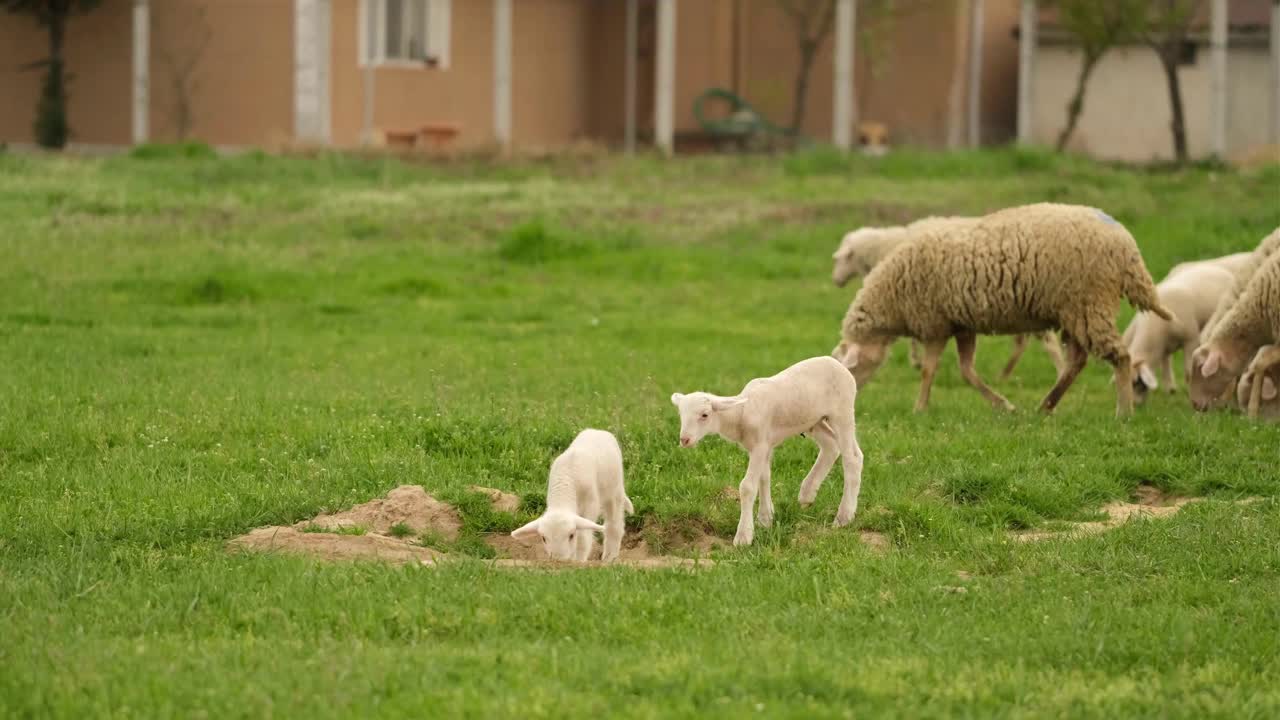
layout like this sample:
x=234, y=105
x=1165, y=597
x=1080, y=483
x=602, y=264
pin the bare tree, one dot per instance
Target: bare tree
x=181, y=58
x=1098, y=26
x=1167, y=30
x=813, y=21
x=51, y=127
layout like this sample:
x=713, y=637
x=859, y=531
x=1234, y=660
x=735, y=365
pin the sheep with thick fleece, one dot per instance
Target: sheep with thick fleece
x=862, y=249
x=1252, y=321
x=814, y=396
x=1020, y=270
x=1243, y=274
x=1191, y=293
x=1258, y=392
x=585, y=480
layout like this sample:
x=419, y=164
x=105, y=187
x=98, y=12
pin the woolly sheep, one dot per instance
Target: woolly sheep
x=1243, y=273
x=585, y=479
x=1252, y=321
x=1265, y=367
x=862, y=249
x=1019, y=270
x=814, y=396
x=1191, y=293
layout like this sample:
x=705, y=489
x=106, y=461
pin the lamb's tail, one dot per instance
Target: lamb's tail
x=1141, y=292
x=626, y=505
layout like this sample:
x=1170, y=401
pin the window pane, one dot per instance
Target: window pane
x=395, y=30
x=371, y=30
x=417, y=29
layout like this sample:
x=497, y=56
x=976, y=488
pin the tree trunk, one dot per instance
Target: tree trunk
x=808, y=52
x=51, y=112
x=1169, y=61
x=1076, y=106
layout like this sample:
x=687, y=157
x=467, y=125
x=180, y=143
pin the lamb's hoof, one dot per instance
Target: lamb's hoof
x=1008, y=407
x=844, y=517
x=744, y=537
x=764, y=519
x=806, y=503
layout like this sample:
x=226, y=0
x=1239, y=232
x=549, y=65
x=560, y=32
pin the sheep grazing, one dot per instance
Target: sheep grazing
x=1243, y=272
x=862, y=249
x=585, y=480
x=1258, y=392
x=1252, y=321
x=1021, y=270
x=814, y=396
x=1191, y=293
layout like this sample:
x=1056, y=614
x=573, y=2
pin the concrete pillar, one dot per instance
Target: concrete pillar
x=630, y=82
x=665, y=81
x=842, y=121
x=1218, y=78
x=311, y=105
x=1026, y=68
x=502, y=73
x=1275, y=72
x=977, y=26
x=141, y=70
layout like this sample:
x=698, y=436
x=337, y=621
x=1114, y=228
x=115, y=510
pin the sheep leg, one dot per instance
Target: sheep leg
x=1076, y=358
x=1116, y=354
x=1166, y=372
x=764, y=515
x=614, y=527
x=852, y=457
x=1019, y=347
x=1054, y=349
x=828, y=451
x=1255, y=395
x=967, y=348
x=928, y=368
x=586, y=542
x=913, y=353
x=758, y=459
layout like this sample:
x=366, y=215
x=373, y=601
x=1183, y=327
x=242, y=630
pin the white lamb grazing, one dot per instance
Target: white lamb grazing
x=814, y=396
x=585, y=480
x=1258, y=392
x=1191, y=293
x=1252, y=321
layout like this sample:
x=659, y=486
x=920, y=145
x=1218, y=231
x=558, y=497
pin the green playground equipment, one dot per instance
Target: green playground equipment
x=741, y=125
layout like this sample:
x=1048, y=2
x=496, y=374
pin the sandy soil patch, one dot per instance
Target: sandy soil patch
x=1148, y=502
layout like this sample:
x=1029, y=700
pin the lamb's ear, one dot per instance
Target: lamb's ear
x=528, y=531
x=1269, y=391
x=1211, y=364
x=582, y=523
x=720, y=404
x=676, y=398
x=850, y=358
x=1148, y=377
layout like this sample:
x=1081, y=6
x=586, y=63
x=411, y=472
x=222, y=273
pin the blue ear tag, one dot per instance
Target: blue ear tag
x=1106, y=218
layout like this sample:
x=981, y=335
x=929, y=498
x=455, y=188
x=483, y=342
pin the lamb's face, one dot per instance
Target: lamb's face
x=861, y=359
x=1144, y=379
x=1211, y=378
x=559, y=532
x=699, y=414
x=847, y=262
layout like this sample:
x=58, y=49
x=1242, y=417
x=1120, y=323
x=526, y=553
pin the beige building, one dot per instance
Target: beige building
x=1127, y=114
x=263, y=72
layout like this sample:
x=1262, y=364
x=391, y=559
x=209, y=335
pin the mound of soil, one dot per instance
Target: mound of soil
x=365, y=532
x=1148, y=501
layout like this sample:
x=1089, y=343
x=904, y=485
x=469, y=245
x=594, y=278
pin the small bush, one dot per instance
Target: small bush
x=189, y=150
x=533, y=243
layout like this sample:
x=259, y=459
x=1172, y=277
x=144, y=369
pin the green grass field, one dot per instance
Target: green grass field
x=191, y=347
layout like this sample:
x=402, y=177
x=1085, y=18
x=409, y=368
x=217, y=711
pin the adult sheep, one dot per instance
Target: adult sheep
x=1252, y=321
x=862, y=249
x=1020, y=270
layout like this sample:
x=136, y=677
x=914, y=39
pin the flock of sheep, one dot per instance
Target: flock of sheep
x=1031, y=270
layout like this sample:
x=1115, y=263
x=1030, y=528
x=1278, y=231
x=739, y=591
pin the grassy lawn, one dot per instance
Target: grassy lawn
x=193, y=347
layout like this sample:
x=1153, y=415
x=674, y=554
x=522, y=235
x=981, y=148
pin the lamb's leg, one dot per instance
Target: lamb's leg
x=1076, y=358
x=967, y=348
x=758, y=459
x=1113, y=352
x=852, y=457
x=765, y=514
x=1019, y=347
x=928, y=368
x=828, y=451
x=586, y=542
x=614, y=528
x=1166, y=371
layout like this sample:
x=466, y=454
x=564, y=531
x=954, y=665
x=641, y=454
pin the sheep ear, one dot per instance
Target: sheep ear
x=582, y=523
x=1269, y=391
x=1148, y=377
x=1211, y=364
x=720, y=404
x=526, y=532
x=676, y=398
x=850, y=358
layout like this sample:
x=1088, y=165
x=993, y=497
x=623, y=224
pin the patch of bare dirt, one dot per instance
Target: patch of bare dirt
x=877, y=541
x=501, y=501
x=332, y=546
x=409, y=505
x=1148, y=502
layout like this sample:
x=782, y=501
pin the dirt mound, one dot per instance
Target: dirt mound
x=390, y=529
x=407, y=505
x=1148, y=501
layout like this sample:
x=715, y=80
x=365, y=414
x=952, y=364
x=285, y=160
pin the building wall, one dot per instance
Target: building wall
x=240, y=86
x=1126, y=113
x=98, y=53
x=551, y=71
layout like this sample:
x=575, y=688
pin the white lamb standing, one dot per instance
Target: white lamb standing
x=1191, y=292
x=814, y=396
x=585, y=480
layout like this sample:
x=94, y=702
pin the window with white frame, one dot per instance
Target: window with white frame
x=404, y=32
